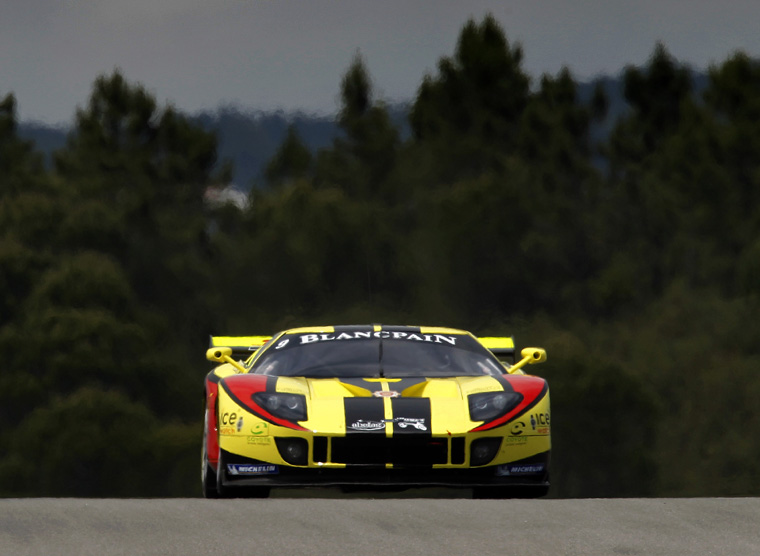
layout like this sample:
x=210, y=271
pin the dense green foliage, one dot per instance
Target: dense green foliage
x=635, y=262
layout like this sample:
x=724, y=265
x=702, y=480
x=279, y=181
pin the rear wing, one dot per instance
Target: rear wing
x=241, y=346
x=502, y=347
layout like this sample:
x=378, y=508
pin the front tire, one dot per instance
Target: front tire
x=208, y=475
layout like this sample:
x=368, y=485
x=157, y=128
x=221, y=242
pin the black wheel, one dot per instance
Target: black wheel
x=208, y=475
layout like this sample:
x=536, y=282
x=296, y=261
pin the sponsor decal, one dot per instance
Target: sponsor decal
x=252, y=469
x=520, y=469
x=260, y=429
x=239, y=425
x=229, y=418
x=539, y=424
x=414, y=414
x=362, y=425
x=364, y=414
x=386, y=394
x=516, y=440
x=382, y=334
x=226, y=431
x=260, y=440
x=539, y=419
x=403, y=422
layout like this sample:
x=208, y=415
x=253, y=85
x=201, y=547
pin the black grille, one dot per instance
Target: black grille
x=320, y=449
x=457, y=450
x=375, y=449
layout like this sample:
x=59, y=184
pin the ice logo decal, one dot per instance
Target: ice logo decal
x=362, y=425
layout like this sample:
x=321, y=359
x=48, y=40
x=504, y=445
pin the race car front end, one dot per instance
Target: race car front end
x=491, y=434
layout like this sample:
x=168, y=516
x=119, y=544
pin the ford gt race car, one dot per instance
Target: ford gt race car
x=374, y=407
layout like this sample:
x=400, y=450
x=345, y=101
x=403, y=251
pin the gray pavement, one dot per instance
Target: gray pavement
x=364, y=526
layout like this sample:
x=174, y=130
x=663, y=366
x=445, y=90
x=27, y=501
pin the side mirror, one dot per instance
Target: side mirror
x=217, y=354
x=534, y=355
x=224, y=355
x=530, y=356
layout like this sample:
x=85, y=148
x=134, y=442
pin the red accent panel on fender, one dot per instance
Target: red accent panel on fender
x=240, y=388
x=533, y=390
x=212, y=439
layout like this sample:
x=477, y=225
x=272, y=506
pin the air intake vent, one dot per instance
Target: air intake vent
x=372, y=449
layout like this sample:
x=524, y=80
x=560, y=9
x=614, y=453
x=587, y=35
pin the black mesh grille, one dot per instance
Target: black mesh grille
x=374, y=449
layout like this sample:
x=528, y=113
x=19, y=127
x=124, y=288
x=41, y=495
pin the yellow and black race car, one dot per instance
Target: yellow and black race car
x=374, y=407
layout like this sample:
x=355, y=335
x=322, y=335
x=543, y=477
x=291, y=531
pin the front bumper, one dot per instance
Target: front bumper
x=529, y=472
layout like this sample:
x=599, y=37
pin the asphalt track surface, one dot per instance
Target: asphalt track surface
x=365, y=526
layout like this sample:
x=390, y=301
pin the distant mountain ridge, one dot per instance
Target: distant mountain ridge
x=249, y=139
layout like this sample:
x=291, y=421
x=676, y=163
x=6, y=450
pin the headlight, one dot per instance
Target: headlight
x=487, y=406
x=286, y=406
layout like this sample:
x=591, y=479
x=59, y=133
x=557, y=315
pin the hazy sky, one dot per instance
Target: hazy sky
x=291, y=54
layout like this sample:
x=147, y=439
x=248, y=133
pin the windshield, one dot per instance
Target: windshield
x=376, y=354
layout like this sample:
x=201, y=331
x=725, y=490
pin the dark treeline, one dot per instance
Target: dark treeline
x=493, y=213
